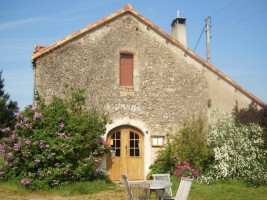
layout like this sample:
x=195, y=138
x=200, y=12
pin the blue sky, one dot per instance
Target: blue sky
x=238, y=30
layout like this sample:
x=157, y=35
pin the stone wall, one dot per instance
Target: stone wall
x=166, y=88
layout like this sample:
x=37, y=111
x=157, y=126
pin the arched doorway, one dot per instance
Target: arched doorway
x=128, y=145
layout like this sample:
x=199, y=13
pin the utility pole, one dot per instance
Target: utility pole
x=208, y=38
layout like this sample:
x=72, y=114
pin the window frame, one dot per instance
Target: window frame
x=122, y=79
x=135, y=148
x=156, y=137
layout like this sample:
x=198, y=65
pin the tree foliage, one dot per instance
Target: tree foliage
x=252, y=115
x=8, y=108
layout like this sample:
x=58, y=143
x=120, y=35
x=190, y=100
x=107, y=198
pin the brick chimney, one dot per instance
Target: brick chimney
x=179, y=29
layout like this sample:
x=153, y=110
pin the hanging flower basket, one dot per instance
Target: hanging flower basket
x=100, y=148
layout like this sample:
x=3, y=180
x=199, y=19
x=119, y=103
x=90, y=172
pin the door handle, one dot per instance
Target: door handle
x=126, y=149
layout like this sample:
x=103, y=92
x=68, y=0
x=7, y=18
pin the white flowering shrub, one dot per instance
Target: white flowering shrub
x=238, y=152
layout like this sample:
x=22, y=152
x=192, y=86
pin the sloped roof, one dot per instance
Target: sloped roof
x=41, y=50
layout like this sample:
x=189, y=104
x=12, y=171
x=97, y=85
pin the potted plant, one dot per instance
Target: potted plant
x=112, y=153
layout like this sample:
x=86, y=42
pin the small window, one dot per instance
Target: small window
x=157, y=141
x=126, y=69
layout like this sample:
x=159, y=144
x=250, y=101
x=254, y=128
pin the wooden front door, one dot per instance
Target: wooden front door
x=128, y=145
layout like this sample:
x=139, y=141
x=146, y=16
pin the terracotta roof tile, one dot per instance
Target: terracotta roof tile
x=38, y=48
x=41, y=50
x=128, y=7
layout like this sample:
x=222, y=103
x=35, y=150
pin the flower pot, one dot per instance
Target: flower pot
x=112, y=153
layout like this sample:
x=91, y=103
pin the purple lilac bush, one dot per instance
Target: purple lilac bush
x=55, y=144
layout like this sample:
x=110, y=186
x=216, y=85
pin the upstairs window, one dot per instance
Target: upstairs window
x=126, y=69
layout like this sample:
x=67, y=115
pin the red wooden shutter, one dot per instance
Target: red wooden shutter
x=126, y=71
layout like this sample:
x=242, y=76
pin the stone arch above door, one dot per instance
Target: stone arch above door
x=127, y=121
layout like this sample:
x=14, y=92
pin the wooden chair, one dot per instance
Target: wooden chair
x=126, y=184
x=183, y=189
x=136, y=190
x=168, y=191
x=140, y=190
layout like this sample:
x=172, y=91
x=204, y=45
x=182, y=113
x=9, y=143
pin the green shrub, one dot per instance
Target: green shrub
x=190, y=144
x=238, y=152
x=54, y=144
x=187, y=145
x=252, y=115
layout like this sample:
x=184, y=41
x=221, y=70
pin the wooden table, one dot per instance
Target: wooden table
x=159, y=185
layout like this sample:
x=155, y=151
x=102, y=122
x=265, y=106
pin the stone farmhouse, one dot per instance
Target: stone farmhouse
x=147, y=80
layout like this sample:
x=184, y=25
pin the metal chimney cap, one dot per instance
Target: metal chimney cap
x=180, y=20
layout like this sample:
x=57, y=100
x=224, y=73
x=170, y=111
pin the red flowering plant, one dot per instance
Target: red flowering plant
x=185, y=171
x=100, y=148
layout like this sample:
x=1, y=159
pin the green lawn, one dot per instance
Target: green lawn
x=223, y=190
x=227, y=191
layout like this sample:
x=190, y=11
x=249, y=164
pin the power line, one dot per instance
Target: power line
x=237, y=11
x=199, y=37
x=223, y=8
x=241, y=21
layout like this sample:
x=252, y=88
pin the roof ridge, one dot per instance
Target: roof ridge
x=40, y=50
x=45, y=49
